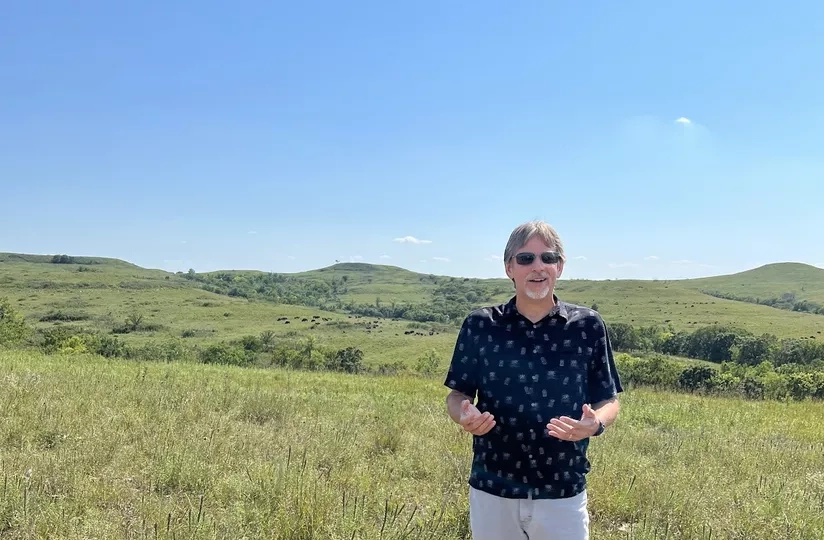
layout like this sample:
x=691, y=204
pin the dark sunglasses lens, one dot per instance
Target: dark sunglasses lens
x=550, y=257
x=525, y=258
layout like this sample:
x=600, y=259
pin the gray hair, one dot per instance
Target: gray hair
x=525, y=231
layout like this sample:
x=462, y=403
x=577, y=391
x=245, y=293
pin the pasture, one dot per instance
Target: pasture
x=105, y=297
x=102, y=296
x=95, y=448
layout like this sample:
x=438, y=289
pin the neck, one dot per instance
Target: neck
x=534, y=310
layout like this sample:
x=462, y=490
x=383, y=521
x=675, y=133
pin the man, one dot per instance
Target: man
x=545, y=380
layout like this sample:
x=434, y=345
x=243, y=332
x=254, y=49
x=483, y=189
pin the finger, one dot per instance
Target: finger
x=565, y=435
x=472, y=422
x=565, y=425
x=558, y=430
x=484, y=428
x=563, y=431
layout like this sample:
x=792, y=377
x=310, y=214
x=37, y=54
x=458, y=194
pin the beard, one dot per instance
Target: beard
x=539, y=294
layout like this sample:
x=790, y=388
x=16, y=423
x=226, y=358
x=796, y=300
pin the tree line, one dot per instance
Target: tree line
x=787, y=301
x=451, y=300
x=718, y=343
x=798, y=376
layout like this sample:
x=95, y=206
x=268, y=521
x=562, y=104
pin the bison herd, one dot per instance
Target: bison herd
x=366, y=324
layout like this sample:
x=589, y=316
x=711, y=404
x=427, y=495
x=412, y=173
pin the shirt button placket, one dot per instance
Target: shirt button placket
x=533, y=340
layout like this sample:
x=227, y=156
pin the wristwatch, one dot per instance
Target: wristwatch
x=600, y=430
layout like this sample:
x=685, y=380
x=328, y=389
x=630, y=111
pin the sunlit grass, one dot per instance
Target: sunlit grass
x=119, y=449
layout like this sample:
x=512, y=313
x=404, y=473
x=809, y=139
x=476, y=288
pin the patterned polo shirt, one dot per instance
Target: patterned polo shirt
x=526, y=373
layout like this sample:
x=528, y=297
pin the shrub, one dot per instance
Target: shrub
x=223, y=353
x=428, y=363
x=349, y=360
x=13, y=329
x=695, y=378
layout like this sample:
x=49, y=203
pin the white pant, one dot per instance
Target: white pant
x=498, y=518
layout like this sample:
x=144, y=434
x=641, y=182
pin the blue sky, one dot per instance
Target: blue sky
x=661, y=139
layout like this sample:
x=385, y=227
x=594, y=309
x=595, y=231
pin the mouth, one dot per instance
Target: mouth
x=537, y=280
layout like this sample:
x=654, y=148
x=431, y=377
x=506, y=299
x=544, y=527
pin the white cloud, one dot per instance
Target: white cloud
x=411, y=240
x=183, y=241
x=682, y=261
x=291, y=257
x=252, y=232
x=385, y=257
x=495, y=258
x=579, y=258
x=355, y=258
x=667, y=142
x=623, y=265
x=442, y=259
x=651, y=258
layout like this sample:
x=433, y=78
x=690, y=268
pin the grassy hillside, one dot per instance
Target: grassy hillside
x=65, y=259
x=96, y=448
x=174, y=308
x=790, y=281
x=102, y=293
x=679, y=303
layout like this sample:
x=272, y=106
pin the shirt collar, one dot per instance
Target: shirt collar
x=561, y=308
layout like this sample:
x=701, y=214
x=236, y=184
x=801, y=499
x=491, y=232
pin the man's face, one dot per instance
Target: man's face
x=535, y=280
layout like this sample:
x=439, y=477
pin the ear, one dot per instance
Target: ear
x=508, y=268
x=560, y=268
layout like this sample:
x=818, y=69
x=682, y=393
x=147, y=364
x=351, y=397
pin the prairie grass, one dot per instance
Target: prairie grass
x=113, y=290
x=94, y=448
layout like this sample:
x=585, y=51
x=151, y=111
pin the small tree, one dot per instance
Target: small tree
x=428, y=364
x=13, y=327
x=267, y=339
x=223, y=353
x=134, y=321
x=349, y=360
x=695, y=377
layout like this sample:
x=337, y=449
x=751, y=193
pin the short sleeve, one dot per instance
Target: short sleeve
x=604, y=380
x=463, y=368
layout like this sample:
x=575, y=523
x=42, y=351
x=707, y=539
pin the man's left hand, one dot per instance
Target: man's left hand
x=569, y=429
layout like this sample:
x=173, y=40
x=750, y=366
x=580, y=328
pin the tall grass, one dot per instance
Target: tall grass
x=93, y=448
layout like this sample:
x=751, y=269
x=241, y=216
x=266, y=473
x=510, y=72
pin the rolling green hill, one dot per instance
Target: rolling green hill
x=175, y=308
x=790, y=282
x=683, y=304
x=336, y=303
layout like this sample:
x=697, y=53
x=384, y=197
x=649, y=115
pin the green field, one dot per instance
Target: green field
x=95, y=448
x=679, y=303
x=769, y=281
x=117, y=448
x=104, y=294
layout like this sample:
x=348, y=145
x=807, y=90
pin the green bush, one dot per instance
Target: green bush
x=795, y=382
x=696, y=378
x=224, y=353
x=349, y=360
x=13, y=328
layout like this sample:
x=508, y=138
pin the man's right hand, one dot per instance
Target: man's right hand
x=473, y=421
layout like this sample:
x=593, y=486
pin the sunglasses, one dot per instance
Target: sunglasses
x=548, y=257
